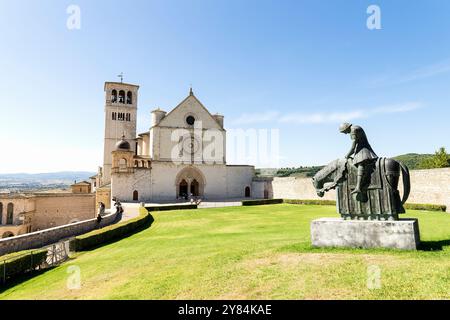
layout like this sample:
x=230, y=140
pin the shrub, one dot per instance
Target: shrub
x=311, y=202
x=111, y=233
x=424, y=206
x=21, y=262
x=260, y=202
x=171, y=207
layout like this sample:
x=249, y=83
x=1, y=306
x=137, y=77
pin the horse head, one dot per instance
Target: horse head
x=328, y=177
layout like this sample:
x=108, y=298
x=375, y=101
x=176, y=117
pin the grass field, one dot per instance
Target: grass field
x=258, y=252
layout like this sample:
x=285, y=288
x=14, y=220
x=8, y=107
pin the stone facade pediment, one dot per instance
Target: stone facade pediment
x=191, y=106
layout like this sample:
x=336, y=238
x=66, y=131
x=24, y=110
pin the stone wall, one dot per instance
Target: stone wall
x=430, y=186
x=45, y=210
x=427, y=186
x=103, y=194
x=297, y=188
x=45, y=237
x=55, y=209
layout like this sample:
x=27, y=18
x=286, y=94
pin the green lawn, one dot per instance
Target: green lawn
x=258, y=252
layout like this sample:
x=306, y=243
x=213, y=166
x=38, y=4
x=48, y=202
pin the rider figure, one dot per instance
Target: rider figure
x=363, y=155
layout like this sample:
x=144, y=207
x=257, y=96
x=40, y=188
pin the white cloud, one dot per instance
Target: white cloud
x=317, y=118
x=396, y=108
x=417, y=74
x=326, y=117
x=247, y=118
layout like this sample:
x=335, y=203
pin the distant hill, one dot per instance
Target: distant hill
x=412, y=160
x=13, y=182
x=299, y=172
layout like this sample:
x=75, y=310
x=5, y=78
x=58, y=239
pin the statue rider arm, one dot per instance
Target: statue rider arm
x=352, y=150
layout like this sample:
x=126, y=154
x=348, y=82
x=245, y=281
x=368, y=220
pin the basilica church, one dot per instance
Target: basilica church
x=182, y=155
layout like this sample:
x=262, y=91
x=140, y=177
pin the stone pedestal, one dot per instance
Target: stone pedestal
x=335, y=232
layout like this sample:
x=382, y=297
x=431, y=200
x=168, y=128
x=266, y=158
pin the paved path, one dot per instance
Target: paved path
x=219, y=204
x=131, y=210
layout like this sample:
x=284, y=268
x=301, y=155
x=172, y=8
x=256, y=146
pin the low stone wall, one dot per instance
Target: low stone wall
x=45, y=237
x=427, y=186
x=297, y=188
x=430, y=186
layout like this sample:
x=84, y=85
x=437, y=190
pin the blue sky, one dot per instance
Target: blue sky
x=301, y=67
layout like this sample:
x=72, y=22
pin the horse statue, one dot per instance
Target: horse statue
x=379, y=199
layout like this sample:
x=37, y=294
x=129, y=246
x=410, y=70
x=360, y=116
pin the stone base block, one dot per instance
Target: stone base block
x=335, y=232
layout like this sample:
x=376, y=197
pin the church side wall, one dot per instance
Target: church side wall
x=159, y=183
x=239, y=177
x=216, y=181
x=124, y=184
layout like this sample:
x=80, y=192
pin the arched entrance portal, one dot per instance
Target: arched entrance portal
x=190, y=180
x=183, y=189
x=194, y=188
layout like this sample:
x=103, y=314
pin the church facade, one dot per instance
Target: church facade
x=182, y=155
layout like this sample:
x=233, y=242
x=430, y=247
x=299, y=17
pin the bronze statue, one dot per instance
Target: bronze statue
x=363, y=155
x=366, y=185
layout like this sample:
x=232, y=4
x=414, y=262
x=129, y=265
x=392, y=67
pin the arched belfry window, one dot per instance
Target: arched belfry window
x=121, y=96
x=129, y=97
x=122, y=164
x=10, y=214
x=135, y=195
x=114, y=96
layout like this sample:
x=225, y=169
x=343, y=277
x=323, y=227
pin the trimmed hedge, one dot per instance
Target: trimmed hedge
x=260, y=202
x=111, y=233
x=171, y=207
x=424, y=206
x=311, y=202
x=21, y=262
x=408, y=206
x=290, y=201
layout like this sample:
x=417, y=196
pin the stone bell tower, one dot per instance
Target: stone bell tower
x=120, y=120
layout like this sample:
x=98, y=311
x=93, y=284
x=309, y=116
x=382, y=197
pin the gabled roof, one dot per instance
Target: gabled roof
x=81, y=183
x=191, y=94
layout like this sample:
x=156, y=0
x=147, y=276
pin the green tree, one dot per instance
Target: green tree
x=440, y=159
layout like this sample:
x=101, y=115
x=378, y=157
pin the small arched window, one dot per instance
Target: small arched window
x=1, y=213
x=247, y=192
x=135, y=195
x=121, y=96
x=129, y=97
x=114, y=96
x=10, y=214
